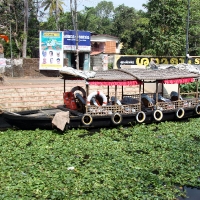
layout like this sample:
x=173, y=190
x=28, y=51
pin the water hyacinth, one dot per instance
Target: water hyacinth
x=141, y=162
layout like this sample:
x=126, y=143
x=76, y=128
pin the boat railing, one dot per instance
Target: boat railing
x=188, y=103
x=189, y=95
x=135, y=96
x=164, y=106
x=110, y=109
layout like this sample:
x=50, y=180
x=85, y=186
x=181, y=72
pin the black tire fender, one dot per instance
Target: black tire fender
x=180, y=113
x=158, y=115
x=116, y=118
x=140, y=117
x=197, y=109
x=87, y=119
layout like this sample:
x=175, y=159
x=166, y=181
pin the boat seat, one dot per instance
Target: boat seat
x=80, y=103
x=147, y=101
x=174, y=96
x=129, y=100
x=80, y=98
x=113, y=101
x=160, y=98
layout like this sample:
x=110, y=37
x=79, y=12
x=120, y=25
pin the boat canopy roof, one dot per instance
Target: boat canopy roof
x=107, y=78
x=133, y=76
x=114, y=77
x=166, y=76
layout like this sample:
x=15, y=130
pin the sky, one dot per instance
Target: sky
x=137, y=4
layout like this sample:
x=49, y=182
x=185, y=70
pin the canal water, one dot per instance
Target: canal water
x=192, y=194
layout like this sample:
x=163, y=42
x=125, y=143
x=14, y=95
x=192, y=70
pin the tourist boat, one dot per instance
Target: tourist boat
x=112, y=98
x=83, y=108
x=162, y=105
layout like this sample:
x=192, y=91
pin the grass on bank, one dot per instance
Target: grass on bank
x=141, y=162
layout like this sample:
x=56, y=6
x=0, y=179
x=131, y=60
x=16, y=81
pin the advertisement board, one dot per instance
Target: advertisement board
x=83, y=40
x=131, y=61
x=51, y=50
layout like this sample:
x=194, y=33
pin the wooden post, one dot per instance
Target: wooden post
x=115, y=94
x=87, y=93
x=108, y=92
x=140, y=100
x=197, y=90
x=142, y=86
x=122, y=92
x=156, y=93
x=64, y=85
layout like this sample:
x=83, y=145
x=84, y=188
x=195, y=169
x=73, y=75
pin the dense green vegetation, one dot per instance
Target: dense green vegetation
x=140, y=162
x=158, y=30
x=189, y=90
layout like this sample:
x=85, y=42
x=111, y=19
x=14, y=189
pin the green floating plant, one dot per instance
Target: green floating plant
x=140, y=162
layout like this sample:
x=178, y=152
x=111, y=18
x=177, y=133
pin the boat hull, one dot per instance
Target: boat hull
x=42, y=119
x=171, y=115
x=29, y=120
x=26, y=121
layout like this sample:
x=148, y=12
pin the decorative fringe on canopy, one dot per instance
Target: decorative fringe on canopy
x=177, y=81
x=112, y=83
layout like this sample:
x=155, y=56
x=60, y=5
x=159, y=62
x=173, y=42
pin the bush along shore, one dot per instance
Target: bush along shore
x=140, y=162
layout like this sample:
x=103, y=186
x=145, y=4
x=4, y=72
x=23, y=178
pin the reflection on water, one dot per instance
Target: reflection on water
x=192, y=194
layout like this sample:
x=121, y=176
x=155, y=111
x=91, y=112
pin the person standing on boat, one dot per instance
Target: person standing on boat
x=152, y=64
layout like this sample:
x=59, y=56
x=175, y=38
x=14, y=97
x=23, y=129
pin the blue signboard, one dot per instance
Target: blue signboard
x=83, y=40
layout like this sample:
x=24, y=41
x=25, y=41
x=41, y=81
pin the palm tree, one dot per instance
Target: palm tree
x=53, y=5
x=55, y=8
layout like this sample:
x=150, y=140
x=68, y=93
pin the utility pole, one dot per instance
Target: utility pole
x=72, y=13
x=187, y=33
x=76, y=26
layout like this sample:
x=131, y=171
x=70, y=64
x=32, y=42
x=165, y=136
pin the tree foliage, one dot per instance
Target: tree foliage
x=194, y=28
x=160, y=30
x=53, y=6
x=167, y=22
